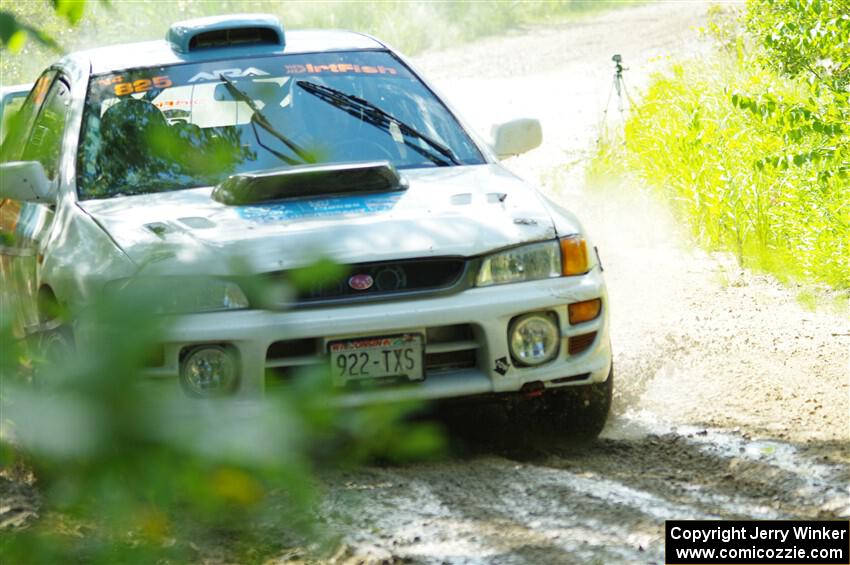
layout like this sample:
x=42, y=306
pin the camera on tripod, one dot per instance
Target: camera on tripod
x=618, y=63
x=619, y=85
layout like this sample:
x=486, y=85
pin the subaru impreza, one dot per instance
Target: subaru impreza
x=234, y=151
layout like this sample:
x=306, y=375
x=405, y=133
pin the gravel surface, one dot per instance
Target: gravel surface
x=731, y=399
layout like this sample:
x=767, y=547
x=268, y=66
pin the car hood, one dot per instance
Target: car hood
x=452, y=211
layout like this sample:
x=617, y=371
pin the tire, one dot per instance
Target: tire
x=578, y=412
x=51, y=348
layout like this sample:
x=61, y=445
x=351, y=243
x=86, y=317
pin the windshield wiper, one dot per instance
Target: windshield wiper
x=380, y=118
x=260, y=119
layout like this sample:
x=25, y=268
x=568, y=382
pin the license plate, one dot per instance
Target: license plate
x=377, y=358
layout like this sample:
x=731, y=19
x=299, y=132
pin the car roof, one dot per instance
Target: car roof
x=160, y=53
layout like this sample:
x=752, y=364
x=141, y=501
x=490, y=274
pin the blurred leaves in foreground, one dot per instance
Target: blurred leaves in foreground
x=145, y=474
x=15, y=30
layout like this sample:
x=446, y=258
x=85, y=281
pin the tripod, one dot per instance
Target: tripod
x=619, y=85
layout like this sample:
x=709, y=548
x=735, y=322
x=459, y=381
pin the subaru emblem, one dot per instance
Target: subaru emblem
x=360, y=282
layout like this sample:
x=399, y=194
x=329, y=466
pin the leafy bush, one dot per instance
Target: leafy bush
x=131, y=470
x=804, y=38
x=752, y=146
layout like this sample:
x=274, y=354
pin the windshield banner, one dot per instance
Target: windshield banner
x=361, y=63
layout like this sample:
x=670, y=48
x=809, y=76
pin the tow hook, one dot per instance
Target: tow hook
x=533, y=389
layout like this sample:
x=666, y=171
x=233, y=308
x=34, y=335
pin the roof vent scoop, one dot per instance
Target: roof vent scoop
x=226, y=31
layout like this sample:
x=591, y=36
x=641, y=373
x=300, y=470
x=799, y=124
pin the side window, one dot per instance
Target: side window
x=20, y=124
x=12, y=104
x=45, y=141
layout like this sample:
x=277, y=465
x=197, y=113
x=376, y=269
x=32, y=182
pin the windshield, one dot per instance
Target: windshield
x=183, y=126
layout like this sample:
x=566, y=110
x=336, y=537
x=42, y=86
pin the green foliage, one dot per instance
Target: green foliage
x=71, y=10
x=148, y=474
x=14, y=31
x=322, y=272
x=804, y=38
x=13, y=34
x=754, y=158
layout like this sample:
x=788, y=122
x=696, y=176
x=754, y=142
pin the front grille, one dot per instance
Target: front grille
x=450, y=360
x=447, y=348
x=389, y=277
x=284, y=359
x=293, y=348
x=451, y=348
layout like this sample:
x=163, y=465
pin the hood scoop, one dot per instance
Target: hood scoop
x=308, y=181
x=197, y=223
x=159, y=229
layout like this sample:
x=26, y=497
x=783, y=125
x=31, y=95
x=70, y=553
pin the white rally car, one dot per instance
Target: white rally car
x=234, y=149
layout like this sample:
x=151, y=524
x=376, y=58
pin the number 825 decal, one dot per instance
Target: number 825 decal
x=141, y=85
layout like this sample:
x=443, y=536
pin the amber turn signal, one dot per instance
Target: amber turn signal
x=585, y=311
x=574, y=256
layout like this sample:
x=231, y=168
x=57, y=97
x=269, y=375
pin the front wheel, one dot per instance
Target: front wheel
x=579, y=412
x=52, y=347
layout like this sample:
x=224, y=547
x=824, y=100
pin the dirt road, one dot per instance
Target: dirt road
x=731, y=402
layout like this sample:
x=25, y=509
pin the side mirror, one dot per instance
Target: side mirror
x=515, y=137
x=26, y=181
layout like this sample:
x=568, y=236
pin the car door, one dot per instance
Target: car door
x=36, y=135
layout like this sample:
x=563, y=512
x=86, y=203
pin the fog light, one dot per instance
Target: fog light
x=534, y=338
x=209, y=370
x=585, y=311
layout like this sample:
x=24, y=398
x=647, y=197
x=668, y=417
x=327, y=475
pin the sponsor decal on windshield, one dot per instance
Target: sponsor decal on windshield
x=309, y=68
x=122, y=87
x=141, y=85
x=165, y=104
x=155, y=79
x=229, y=73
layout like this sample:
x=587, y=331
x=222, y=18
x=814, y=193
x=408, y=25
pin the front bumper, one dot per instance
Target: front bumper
x=261, y=335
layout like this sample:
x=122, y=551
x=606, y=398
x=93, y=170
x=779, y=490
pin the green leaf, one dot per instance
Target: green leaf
x=323, y=272
x=16, y=42
x=8, y=27
x=13, y=34
x=71, y=10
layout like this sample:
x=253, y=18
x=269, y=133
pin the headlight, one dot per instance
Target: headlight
x=173, y=295
x=561, y=257
x=526, y=263
x=206, y=295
